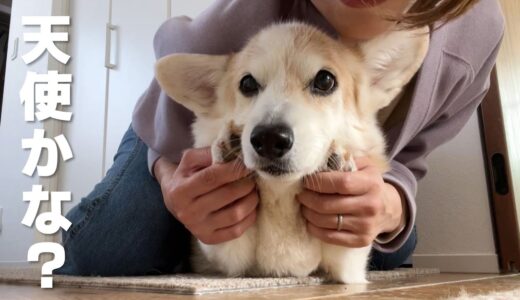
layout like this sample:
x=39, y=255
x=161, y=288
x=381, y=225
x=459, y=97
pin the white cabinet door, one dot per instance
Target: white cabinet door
x=97, y=91
x=136, y=22
x=85, y=131
x=132, y=52
x=100, y=93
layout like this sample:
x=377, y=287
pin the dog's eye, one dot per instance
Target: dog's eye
x=248, y=86
x=324, y=83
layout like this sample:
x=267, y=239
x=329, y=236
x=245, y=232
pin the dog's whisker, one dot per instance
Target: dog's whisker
x=317, y=181
x=236, y=166
x=314, y=180
x=231, y=153
x=310, y=178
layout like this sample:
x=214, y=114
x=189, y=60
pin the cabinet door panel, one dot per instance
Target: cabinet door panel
x=85, y=132
x=136, y=22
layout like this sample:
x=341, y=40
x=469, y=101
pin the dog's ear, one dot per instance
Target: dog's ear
x=392, y=60
x=192, y=79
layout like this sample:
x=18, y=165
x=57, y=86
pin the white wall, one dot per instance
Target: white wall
x=454, y=220
x=15, y=238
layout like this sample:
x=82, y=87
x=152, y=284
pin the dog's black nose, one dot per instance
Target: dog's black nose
x=272, y=141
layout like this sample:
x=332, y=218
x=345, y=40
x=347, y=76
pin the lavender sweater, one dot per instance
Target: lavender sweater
x=451, y=83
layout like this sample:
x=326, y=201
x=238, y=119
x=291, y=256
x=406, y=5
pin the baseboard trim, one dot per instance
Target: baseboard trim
x=14, y=263
x=458, y=263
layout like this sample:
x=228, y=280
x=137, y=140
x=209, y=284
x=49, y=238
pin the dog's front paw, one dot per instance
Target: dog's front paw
x=335, y=162
x=220, y=152
x=340, y=162
x=345, y=265
x=348, y=276
x=227, y=147
x=354, y=280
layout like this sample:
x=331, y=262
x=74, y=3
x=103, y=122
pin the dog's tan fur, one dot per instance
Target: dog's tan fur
x=329, y=130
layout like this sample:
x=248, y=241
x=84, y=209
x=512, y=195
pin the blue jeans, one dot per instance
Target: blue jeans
x=123, y=227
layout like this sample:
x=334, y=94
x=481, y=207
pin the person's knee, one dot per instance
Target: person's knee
x=124, y=234
x=388, y=261
x=133, y=249
x=123, y=226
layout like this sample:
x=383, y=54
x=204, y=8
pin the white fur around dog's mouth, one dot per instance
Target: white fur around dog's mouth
x=275, y=170
x=273, y=175
x=284, y=170
x=279, y=169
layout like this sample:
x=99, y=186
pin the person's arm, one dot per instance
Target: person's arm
x=409, y=165
x=162, y=168
x=398, y=209
x=153, y=157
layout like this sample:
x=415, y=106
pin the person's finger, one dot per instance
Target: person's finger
x=341, y=238
x=332, y=204
x=224, y=195
x=232, y=232
x=330, y=221
x=238, y=211
x=194, y=159
x=362, y=162
x=213, y=177
x=338, y=182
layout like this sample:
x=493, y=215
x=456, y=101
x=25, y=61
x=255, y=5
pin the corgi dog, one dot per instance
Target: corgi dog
x=294, y=101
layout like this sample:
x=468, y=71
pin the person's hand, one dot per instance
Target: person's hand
x=216, y=203
x=369, y=205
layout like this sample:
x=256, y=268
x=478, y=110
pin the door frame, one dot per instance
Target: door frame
x=498, y=173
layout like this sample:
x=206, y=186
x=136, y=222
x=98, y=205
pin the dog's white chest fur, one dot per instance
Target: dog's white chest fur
x=278, y=244
x=284, y=245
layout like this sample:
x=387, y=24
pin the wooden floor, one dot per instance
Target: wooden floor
x=439, y=286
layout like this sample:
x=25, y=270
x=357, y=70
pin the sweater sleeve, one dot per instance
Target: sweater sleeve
x=409, y=165
x=222, y=28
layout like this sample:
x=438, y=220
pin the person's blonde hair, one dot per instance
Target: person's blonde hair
x=429, y=12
